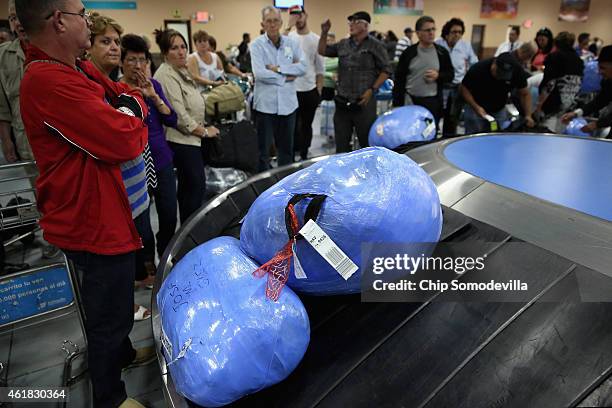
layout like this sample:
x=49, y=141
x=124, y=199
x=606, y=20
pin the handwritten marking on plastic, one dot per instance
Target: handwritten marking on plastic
x=200, y=275
x=178, y=298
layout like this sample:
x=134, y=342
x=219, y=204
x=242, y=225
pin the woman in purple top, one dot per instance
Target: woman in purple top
x=134, y=57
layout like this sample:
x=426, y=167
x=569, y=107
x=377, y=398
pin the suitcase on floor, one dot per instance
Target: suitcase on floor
x=238, y=147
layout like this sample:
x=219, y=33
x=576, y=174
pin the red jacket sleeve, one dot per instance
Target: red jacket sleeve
x=78, y=111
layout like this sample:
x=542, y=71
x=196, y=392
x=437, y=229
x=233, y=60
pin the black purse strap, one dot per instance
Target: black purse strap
x=312, y=211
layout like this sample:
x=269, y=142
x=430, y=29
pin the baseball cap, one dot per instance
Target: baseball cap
x=296, y=9
x=506, y=64
x=360, y=15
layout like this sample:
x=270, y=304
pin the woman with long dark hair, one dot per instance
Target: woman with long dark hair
x=185, y=141
x=544, y=40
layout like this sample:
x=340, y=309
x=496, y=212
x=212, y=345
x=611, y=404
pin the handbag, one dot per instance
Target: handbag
x=224, y=100
x=212, y=149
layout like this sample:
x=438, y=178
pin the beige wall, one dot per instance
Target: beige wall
x=233, y=17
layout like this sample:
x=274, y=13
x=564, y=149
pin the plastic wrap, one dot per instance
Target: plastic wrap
x=373, y=195
x=574, y=126
x=385, y=92
x=222, y=337
x=221, y=179
x=591, y=81
x=402, y=125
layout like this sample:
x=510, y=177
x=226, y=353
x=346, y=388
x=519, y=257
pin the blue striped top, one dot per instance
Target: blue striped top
x=135, y=182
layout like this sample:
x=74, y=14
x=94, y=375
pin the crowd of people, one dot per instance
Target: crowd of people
x=108, y=128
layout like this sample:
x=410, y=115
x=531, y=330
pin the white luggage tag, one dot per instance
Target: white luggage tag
x=328, y=249
x=431, y=127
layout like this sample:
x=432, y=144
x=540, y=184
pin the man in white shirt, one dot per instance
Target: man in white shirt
x=309, y=86
x=276, y=61
x=404, y=43
x=513, y=41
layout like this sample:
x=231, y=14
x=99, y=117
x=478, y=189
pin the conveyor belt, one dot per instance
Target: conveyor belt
x=409, y=354
x=550, y=350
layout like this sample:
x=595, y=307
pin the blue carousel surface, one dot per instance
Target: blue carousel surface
x=571, y=172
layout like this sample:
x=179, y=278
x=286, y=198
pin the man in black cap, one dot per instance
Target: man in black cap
x=363, y=66
x=603, y=98
x=485, y=90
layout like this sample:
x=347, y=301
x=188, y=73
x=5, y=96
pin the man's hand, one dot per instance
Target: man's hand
x=325, y=26
x=591, y=127
x=529, y=122
x=365, y=97
x=8, y=149
x=431, y=75
x=538, y=116
x=274, y=68
x=567, y=117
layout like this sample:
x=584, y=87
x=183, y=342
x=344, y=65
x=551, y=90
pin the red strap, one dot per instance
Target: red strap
x=279, y=266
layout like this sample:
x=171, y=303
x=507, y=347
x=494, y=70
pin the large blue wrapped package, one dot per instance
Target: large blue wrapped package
x=374, y=195
x=403, y=125
x=222, y=337
x=591, y=81
x=574, y=127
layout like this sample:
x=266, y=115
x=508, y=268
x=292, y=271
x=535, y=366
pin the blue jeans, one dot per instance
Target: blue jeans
x=474, y=123
x=165, y=203
x=277, y=128
x=191, y=178
x=107, y=295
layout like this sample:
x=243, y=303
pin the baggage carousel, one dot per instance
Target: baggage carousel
x=552, y=195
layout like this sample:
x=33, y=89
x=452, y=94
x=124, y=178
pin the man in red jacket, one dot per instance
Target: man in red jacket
x=81, y=126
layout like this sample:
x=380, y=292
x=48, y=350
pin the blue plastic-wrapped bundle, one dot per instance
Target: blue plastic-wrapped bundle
x=222, y=337
x=373, y=195
x=574, y=127
x=591, y=81
x=403, y=125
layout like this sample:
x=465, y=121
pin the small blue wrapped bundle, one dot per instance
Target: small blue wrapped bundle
x=222, y=338
x=591, y=80
x=403, y=125
x=574, y=127
x=372, y=195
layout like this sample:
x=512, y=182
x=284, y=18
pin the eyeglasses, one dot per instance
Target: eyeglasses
x=85, y=15
x=456, y=32
x=136, y=60
x=357, y=21
x=428, y=30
